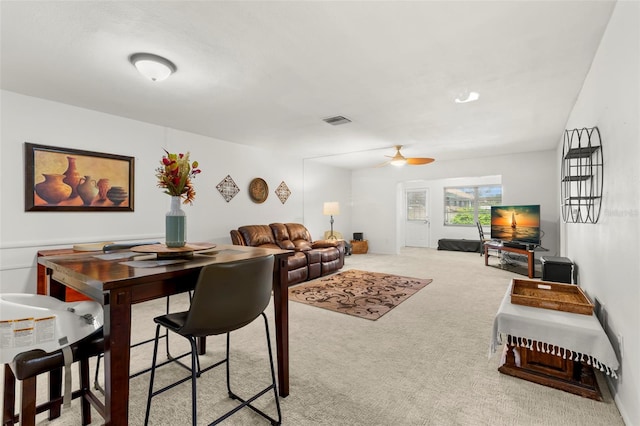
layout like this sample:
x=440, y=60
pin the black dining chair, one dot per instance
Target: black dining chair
x=483, y=240
x=227, y=297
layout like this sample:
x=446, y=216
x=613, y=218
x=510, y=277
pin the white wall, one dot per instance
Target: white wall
x=22, y=234
x=606, y=252
x=528, y=178
x=324, y=183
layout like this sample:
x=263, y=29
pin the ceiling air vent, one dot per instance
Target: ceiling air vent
x=337, y=120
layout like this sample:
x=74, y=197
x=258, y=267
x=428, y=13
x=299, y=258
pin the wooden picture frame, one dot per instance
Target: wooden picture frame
x=65, y=179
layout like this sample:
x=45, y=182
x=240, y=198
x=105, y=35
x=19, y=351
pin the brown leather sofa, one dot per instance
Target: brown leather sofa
x=312, y=259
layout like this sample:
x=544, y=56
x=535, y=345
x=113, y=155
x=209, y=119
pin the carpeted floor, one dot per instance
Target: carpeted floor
x=425, y=363
x=362, y=294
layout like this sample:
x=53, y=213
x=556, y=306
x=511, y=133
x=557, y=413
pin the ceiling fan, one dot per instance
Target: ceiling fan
x=399, y=160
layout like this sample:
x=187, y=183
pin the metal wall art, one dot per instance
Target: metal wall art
x=581, y=175
x=227, y=188
x=64, y=179
x=283, y=192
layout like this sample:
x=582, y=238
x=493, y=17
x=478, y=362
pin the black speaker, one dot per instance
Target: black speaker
x=357, y=236
x=557, y=269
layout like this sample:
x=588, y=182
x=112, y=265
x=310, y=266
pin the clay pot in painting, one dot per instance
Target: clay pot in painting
x=87, y=190
x=53, y=189
x=103, y=187
x=117, y=195
x=72, y=177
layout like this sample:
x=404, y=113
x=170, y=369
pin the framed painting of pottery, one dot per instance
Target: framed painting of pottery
x=65, y=179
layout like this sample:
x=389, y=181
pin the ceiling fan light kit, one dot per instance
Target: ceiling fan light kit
x=400, y=160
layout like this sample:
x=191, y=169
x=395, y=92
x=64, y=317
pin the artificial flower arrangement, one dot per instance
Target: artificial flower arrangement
x=176, y=174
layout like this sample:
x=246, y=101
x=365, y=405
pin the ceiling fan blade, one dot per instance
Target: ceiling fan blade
x=386, y=163
x=419, y=161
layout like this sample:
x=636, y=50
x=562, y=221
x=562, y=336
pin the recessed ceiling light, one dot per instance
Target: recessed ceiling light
x=467, y=97
x=154, y=67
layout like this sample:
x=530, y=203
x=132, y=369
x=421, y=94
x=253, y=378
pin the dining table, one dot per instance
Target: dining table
x=120, y=279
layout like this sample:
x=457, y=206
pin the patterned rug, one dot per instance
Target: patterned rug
x=363, y=294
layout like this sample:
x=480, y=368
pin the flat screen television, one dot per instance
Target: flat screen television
x=516, y=223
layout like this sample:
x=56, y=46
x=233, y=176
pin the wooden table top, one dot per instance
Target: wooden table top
x=107, y=271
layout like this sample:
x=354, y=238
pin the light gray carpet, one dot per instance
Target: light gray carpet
x=424, y=363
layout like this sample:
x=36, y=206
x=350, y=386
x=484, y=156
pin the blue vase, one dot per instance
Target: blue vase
x=176, y=225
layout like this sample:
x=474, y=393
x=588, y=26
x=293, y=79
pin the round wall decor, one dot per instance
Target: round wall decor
x=258, y=190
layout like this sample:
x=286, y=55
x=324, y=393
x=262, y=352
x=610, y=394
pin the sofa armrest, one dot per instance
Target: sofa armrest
x=324, y=243
x=236, y=238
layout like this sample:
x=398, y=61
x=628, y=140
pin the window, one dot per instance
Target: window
x=417, y=205
x=464, y=205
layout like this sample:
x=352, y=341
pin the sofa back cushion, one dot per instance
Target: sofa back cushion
x=257, y=235
x=299, y=235
x=281, y=235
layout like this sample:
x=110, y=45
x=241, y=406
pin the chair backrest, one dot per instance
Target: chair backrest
x=481, y=231
x=229, y=296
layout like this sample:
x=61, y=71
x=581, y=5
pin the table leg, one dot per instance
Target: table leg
x=486, y=255
x=9, y=396
x=281, y=305
x=117, y=335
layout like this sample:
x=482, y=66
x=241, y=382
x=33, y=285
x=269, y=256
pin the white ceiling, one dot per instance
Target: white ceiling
x=266, y=73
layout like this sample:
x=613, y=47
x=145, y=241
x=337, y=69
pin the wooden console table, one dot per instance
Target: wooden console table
x=500, y=248
x=553, y=348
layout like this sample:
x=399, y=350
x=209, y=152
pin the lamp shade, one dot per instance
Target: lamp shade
x=331, y=208
x=154, y=67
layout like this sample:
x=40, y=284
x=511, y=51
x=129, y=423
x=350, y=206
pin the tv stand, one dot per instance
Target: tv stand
x=500, y=247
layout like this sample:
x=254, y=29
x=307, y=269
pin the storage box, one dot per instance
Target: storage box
x=359, y=247
x=558, y=269
x=550, y=295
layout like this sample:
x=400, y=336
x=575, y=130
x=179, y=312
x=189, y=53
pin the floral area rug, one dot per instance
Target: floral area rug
x=363, y=294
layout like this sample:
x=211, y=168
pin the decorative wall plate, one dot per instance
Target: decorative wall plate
x=258, y=190
x=227, y=188
x=283, y=192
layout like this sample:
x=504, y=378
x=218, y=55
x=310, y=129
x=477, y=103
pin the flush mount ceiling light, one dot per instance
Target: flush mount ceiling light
x=467, y=97
x=154, y=67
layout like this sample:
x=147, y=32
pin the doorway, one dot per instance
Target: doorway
x=417, y=217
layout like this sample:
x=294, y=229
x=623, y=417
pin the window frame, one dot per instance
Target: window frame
x=475, y=202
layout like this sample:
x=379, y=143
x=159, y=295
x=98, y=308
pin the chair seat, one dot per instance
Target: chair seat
x=173, y=321
x=26, y=366
x=32, y=363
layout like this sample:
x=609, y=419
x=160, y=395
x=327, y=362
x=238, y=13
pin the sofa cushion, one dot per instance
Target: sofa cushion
x=281, y=235
x=302, y=245
x=298, y=260
x=313, y=256
x=328, y=254
x=257, y=235
x=298, y=231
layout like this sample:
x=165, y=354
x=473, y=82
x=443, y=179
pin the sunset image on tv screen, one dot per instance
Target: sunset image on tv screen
x=516, y=223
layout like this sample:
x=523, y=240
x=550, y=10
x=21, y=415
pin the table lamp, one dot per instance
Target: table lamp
x=331, y=208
